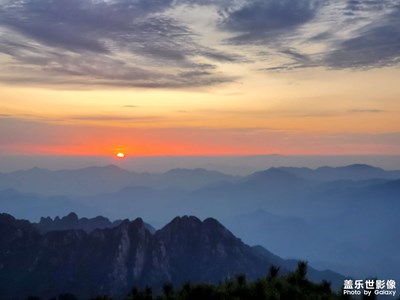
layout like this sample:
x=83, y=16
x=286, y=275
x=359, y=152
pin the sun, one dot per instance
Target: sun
x=120, y=155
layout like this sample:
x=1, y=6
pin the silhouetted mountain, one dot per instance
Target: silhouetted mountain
x=71, y=221
x=98, y=180
x=347, y=227
x=113, y=260
x=66, y=182
x=351, y=172
x=273, y=177
x=343, y=217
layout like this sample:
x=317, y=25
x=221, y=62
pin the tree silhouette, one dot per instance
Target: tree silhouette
x=273, y=272
x=301, y=270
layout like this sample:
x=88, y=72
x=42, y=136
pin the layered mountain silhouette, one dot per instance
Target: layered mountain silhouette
x=107, y=179
x=113, y=260
x=342, y=218
x=71, y=221
x=97, y=180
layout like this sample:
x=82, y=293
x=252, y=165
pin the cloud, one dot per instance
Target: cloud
x=352, y=34
x=110, y=43
x=142, y=43
x=262, y=20
x=366, y=111
x=365, y=34
x=119, y=119
x=86, y=119
x=375, y=45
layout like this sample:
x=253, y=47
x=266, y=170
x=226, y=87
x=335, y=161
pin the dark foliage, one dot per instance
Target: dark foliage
x=293, y=286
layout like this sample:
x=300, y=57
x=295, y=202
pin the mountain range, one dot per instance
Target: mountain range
x=114, y=260
x=342, y=218
x=107, y=179
x=97, y=180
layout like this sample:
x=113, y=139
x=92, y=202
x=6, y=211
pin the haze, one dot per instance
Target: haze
x=235, y=165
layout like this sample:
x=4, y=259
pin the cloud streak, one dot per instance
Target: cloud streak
x=375, y=111
x=259, y=21
x=124, y=43
x=115, y=43
x=353, y=34
x=374, y=45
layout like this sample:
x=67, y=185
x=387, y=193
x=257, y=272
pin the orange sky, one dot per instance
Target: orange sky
x=211, y=84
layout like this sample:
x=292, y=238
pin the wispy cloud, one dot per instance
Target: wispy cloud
x=352, y=34
x=366, y=111
x=260, y=21
x=119, y=119
x=121, y=43
x=141, y=44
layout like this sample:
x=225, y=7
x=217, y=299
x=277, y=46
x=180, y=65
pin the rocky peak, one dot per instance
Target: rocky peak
x=183, y=222
x=113, y=260
x=213, y=225
x=206, y=239
x=9, y=225
x=186, y=225
x=71, y=217
x=72, y=221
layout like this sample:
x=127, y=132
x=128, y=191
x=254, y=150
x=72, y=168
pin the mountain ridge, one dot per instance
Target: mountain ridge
x=113, y=260
x=111, y=178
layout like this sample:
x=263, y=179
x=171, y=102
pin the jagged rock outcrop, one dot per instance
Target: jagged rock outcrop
x=113, y=260
x=71, y=221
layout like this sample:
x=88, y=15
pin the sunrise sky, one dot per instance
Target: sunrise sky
x=199, y=77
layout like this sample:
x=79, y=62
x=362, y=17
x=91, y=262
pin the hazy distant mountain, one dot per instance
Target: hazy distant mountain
x=351, y=172
x=109, y=179
x=351, y=229
x=343, y=217
x=66, y=182
x=98, y=180
x=71, y=221
x=32, y=207
x=113, y=260
x=273, y=177
x=277, y=233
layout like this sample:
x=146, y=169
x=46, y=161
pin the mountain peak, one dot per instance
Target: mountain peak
x=184, y=221
x=110, y=167
x=123, y=255
x=206, y=232
x=196, y=171
x=272, y=172
x=361, y=167
x=34, y=170
x=275, y=176
x=355, y=167
x=191, y=221
x=71, y=217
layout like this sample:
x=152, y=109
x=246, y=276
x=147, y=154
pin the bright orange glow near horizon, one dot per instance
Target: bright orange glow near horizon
x=201, y=90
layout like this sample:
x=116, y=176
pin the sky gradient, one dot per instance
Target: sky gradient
x=191, y=77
